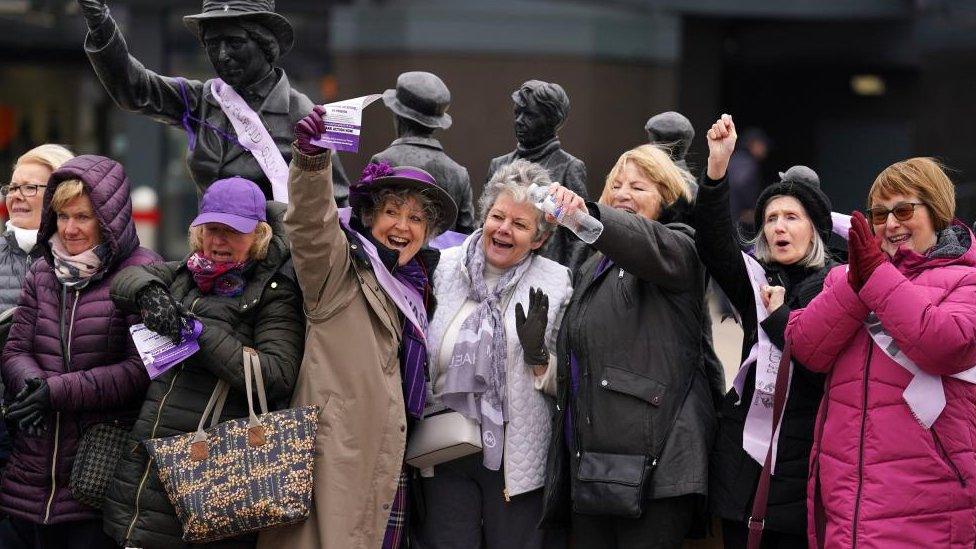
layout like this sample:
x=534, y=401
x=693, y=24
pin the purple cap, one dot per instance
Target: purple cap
x=235, y=202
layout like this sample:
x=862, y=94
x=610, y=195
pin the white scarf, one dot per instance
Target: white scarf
x=26, y=238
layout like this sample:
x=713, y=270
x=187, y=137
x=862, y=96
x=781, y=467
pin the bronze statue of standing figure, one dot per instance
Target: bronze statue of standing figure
x=243, y=40
x=540, y=110
x=420, y=103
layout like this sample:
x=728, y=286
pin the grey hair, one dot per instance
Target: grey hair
x=815, y=257
x=432, y=213
x=515, y=180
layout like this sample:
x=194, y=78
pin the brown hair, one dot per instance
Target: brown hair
x=921, y=176
x=258, y=250
x=672, y=181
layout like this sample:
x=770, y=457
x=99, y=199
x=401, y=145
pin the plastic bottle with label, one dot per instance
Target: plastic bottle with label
x=586, y=227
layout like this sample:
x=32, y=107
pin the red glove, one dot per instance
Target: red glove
x=309, y=128
x=864, y=252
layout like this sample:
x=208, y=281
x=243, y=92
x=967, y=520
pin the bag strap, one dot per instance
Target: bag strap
x=757, y=519
x=215, y=406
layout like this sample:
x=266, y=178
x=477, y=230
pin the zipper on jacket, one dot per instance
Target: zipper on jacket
x=945, y=456
x=860, y=445
x=57, y=415
x=152, y=434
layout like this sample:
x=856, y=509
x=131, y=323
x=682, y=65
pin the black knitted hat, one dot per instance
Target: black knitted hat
x=807, y=191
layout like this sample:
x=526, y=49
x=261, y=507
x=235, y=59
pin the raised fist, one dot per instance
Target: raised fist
x=721, y=142
x=95, y=12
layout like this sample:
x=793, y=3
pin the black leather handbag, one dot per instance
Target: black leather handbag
x=611, y=484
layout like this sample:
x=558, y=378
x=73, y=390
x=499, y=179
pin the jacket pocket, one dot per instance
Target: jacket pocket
x=622, y=381
x=946, y=458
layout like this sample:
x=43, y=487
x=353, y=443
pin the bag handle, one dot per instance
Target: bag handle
x=757, y=519
x=215, y=406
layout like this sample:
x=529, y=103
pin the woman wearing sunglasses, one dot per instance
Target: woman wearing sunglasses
x=893, y=462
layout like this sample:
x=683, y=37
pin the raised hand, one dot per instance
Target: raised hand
x=864, y=253
x=95, y=12
x=309, y=128
x=531, y=328
x=566, y=200
x=721, y=143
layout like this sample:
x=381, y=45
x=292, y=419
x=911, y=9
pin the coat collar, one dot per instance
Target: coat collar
x=277, y=101
x=429, y=142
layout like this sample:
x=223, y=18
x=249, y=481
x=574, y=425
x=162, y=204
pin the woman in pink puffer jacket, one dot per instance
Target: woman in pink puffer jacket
x=879, y=477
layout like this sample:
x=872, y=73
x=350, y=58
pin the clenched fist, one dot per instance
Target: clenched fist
x=721, y=143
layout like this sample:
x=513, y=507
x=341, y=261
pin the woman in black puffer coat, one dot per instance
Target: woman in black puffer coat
x=243, y=298
x=794, y=222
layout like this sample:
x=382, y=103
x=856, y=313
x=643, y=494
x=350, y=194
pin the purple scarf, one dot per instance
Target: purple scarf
x=223, y=278
x=413, y=350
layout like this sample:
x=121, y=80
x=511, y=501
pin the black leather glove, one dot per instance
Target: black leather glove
x=30, y=406
x=95, y=12
x=160, y=312
x=531, y=328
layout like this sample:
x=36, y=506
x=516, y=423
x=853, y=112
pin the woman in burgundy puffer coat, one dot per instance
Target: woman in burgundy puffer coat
x=893, y=463
x=69, y=358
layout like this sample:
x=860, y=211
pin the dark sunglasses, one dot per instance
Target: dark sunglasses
x=903, y=212
x=27, y=190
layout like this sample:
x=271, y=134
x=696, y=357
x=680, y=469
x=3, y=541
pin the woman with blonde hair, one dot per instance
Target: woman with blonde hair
x=239, y=283
x=895, y=333
x=23, y=197
x=627, y=464
x=69, y=360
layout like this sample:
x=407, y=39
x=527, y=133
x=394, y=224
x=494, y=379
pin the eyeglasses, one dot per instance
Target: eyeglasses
x=26, y=190
x=903, y=212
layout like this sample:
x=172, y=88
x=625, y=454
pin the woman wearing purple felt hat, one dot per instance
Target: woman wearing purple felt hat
x=367, y=294
x=238, y=282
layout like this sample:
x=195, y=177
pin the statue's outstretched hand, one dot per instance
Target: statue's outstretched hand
x=95, y=12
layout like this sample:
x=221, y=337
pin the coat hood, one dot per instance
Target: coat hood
x=107, y=186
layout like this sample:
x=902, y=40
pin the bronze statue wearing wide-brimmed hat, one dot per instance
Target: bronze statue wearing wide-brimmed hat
x=421, y=97
x=259, y=11
x=243, y=40
x=420, y=102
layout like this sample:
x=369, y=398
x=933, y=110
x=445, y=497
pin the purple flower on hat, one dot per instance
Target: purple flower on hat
x=373, y=171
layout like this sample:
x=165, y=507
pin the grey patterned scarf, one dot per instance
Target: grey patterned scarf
x=75, y=271
x=474, y=381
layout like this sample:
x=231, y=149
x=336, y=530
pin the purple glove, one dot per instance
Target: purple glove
x=309, y=128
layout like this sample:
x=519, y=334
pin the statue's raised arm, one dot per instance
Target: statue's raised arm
x=243, y=40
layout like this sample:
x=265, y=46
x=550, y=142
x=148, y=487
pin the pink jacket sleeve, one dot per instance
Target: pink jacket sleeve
x=940, y=339
x=821, y=331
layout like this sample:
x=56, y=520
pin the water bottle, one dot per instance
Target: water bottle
x=586, y=227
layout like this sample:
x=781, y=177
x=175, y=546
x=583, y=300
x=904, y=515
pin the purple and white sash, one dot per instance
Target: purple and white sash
x=756, y=435
x=406, y=299
x=925, y=394
x=253, y=136
x=758, y=430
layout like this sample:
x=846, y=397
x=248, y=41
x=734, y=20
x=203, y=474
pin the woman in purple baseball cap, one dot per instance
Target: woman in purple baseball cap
x=365, y=278
x=238, y=282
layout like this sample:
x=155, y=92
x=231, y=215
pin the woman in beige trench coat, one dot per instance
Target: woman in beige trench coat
x=360, y=279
